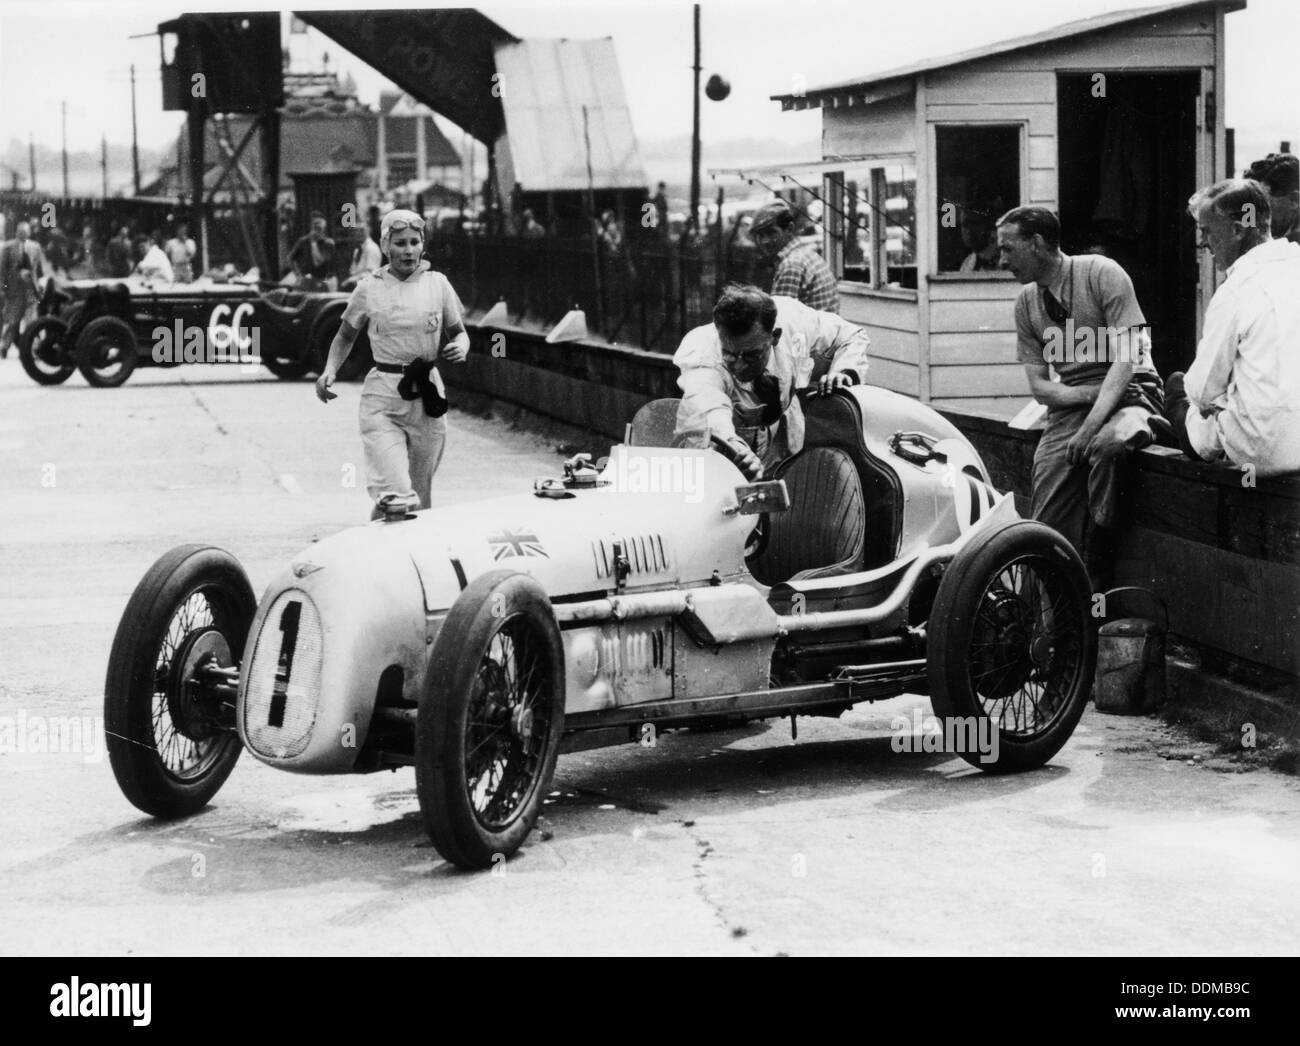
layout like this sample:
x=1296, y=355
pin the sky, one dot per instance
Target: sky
x=80, y=52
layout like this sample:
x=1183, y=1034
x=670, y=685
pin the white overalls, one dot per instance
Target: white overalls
x=405, y=318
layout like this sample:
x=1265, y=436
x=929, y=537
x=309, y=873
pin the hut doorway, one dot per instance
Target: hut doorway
x=1127, y=164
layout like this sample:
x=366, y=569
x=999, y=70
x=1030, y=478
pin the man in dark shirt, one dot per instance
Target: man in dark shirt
x=118, y=254
x=312, y=257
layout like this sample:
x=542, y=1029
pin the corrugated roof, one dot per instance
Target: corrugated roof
x=1082, y=27
x=546, y=85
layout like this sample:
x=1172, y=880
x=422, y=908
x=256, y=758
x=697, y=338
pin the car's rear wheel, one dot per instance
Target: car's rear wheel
x=1011, y=648
x=170, y=734
x=106, y=351
x=43, y=350
x=359, y=360
x=490, y=719
x=287, y=369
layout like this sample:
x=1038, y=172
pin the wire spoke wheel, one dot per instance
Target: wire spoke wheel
x=170, y=734
x=1011, y=642
x=490, y=719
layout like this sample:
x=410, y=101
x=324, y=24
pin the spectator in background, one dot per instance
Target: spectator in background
x=1080, y=316
x=529, y=227
x=1240, y=400
x=118, y=254
x=979, y=236
x=312, y=257
x=801, y=273
x=153, y=263
x=84, y=262
x=58, y=253
x=21, y=265
x=366, y=257
x=180, y=251
x=660, y=202
x=1280, y=175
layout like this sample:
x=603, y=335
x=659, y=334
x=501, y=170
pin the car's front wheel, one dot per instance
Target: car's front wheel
x=106, y=352
x=44, y=352
x=169, y=732
x=490, y=719
x=1011, y=647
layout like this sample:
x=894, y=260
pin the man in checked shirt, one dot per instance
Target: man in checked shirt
x=801, y=273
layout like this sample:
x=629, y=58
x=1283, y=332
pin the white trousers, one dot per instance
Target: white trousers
x=403, y=446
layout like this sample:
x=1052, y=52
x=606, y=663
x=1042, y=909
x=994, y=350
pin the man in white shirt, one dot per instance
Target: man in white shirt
x=1239, y=402
x=153, y=264
x=739, y=374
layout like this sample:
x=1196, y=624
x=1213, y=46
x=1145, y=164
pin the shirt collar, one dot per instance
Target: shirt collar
x=789, y=248
x=1273, y=250
x=424, y=266
x=1062, y=278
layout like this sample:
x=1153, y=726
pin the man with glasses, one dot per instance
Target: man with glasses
x=801, y=272
x=1078, y=315
x=739, y=374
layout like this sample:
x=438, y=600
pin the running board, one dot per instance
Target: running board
x=756, y=704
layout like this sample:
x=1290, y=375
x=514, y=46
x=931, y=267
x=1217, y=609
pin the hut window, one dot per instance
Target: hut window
x=871, y=225
x=978, y=174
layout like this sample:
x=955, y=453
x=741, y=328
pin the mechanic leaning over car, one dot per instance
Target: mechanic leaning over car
x=739, y=374
x=407, y=308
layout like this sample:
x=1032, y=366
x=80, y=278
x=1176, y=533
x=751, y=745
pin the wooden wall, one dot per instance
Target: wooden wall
x=883, y=129
x=1223, y=555
x=891, y=321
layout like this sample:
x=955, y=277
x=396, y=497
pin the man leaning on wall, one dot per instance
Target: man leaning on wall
x=1078, y=315
x=1239, y=402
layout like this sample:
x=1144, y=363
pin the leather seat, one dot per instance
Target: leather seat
x=822, y=533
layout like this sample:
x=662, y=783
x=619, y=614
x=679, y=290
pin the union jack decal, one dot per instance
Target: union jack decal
x=512, y=543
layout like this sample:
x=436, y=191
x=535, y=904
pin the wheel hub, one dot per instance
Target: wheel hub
x=192, y=708
x=1006, y=655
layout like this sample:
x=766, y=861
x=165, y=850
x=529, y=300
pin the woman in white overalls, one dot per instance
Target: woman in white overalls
x=407, y=307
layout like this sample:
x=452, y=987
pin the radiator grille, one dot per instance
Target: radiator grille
x=283, y=690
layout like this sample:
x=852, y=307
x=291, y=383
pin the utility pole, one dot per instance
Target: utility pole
x=103, y=163
x=692, y=220
x=135, y=140
x=31, y=158
x=65, y=148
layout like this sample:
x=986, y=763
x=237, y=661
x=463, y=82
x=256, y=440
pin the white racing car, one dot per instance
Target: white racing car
x=477, y=642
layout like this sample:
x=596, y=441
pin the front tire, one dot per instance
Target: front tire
x=43, y=351
x=490, y=719
x=106, y=352
x=1011, y=645
x=172, y=745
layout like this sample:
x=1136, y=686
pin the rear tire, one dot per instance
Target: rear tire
x=171, y=745
x=1011, y=644
x=106, y=352
x=490, y=719
x=43, y=351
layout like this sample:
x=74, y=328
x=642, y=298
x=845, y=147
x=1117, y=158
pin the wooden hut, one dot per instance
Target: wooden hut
x=1112, y=122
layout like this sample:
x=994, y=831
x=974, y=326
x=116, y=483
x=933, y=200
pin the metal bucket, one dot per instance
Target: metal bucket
x=1130, y=677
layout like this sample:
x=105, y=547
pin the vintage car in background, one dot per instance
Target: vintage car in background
x=105, y=328
x=475, y=641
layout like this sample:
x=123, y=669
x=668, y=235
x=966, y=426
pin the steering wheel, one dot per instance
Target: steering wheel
x=726, y=449
x=757, y=540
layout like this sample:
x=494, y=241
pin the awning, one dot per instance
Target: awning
x=822, y=166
